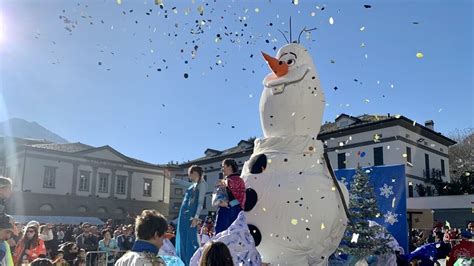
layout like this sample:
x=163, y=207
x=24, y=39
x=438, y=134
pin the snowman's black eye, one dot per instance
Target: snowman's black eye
x=290, y=61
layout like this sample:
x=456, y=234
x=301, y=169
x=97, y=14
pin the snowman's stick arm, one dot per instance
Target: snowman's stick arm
x=334, y=179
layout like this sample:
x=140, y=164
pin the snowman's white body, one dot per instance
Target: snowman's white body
x=299, y=213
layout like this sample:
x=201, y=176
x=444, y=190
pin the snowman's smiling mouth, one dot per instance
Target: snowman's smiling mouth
x=293, y=76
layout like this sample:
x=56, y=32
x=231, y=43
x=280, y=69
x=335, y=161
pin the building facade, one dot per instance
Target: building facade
x=80, y=180
x=370, y=140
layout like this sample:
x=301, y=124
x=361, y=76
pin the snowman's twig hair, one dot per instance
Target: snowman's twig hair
x=305, y=30
x=290, y=31
x=284, y=36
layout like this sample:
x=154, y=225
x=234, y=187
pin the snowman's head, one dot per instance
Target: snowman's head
x=290, y=65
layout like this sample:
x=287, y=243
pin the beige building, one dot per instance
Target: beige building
x=76, y=179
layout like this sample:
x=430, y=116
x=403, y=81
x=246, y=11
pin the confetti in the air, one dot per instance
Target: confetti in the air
x=294, y=221
x=355, y=238
x=331, y=21
x=119, y=2
x=186, y=75
x=322, y=226
x=264, y=209
x=362, y=28
x=335, y=88
x=295, y=2
x=313, y=14
x=419, y=55
x=257, y=10
x=367, y=6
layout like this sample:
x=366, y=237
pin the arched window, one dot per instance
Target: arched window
x=82, y=209
x=102, y=210
x=46, y=208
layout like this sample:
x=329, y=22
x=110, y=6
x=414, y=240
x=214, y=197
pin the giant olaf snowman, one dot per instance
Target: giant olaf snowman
x=294, y=210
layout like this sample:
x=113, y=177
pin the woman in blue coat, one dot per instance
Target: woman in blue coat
x=187, y=241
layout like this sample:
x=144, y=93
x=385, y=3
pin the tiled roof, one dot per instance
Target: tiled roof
x=360, y=120
x=79, y=147
x=68, y=147
x=227, y=152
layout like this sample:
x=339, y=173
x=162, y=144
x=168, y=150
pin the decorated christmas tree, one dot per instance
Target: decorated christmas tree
x=360, y=239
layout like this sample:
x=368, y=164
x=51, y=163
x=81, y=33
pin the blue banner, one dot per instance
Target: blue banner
x=390, y=191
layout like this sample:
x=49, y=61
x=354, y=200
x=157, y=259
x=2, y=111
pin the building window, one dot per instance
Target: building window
x=103, y=182
x=178, y=191
x=147, y=188
x=119, y=211
x=82, y=209
x=102, y=210
x=409, y=155
x=443, y=170
x=84, y=180
x=427, y=165
x=341, y=161
x=378, y=156
x=121, y=181
x=410, y=190
x=49, y=177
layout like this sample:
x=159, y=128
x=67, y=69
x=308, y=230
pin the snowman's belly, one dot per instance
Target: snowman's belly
x=298, y=207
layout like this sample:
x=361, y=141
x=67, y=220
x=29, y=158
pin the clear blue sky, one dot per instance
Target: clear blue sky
x=52, y=75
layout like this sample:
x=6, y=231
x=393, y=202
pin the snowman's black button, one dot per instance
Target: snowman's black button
x=257, y=236
x=250, y=199
x=258, y=164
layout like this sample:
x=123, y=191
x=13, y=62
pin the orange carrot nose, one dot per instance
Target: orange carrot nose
x=279, y=68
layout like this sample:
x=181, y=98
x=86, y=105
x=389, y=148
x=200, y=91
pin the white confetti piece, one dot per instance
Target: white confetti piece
x=362, y=28
x=294, y=221
x=269, y=161
x=419, y=55
x=322, y=226
x=355, y=238
x=393, y=202
x=333, y=188
x=362, y=45
x=388, y=147
x=264, y=209
x=366, y=56
x=119, y=2
x=250, y=95
x=440, y=109
x=293, y=114
x=296, y=2
x=367, y=101
x=257, y=10
x=313, y=14
x=331, y=20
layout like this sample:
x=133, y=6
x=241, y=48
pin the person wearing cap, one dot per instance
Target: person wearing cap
x=30, y=247
x=6, y=230
x=5, y=192
x=88, y=241
x=126, y=240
